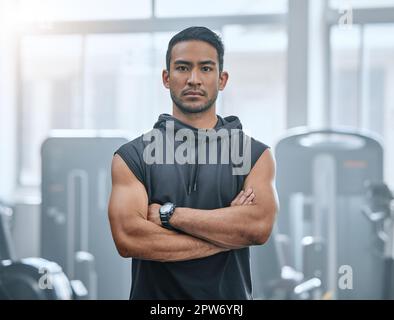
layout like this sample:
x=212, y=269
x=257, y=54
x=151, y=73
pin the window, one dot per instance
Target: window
x=123, y=87
x=50, y=96
x=68, y=10
x=345, y=80
x=256, y=91
x=113, y=81
x=97, y=82
x=179, y=8
x=362, y=82
x=338, y=4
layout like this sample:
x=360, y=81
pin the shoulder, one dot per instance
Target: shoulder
x=132, y=154
x=137, y=146
x=263, y=163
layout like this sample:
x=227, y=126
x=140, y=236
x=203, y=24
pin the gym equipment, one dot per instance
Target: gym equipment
x=31, y=278
x=320, y=183
x=274, y=279
x=379, y=211
x=76, y=185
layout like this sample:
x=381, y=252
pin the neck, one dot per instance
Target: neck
x=201, y=120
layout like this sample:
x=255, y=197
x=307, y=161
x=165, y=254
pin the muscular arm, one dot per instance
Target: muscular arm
x=137, y=237
x=237, y=226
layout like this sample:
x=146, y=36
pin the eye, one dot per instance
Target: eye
x=181, y=68
x=206, y=68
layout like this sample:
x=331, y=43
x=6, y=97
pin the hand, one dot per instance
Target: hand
x=243, y=198
x=153, y=213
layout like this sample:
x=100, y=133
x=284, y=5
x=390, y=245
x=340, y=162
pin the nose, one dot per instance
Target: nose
x=194, y=78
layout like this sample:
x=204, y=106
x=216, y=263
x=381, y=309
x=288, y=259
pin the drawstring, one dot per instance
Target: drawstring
x=194, y=173
x=189, y=188
x=193, y=178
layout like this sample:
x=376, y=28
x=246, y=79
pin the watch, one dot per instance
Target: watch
x=166, y=211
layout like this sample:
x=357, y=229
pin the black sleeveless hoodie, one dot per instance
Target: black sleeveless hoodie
x=207, y=186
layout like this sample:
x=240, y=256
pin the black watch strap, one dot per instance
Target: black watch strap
x=166, y=211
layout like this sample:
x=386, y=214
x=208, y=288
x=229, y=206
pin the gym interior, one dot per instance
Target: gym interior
x=309, y=78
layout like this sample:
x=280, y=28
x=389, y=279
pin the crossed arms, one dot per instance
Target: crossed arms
x=137, y=230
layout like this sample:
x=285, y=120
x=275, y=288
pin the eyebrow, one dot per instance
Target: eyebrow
x=210, y=62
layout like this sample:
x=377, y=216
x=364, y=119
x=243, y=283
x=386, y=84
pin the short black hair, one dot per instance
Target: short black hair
x=200, y=34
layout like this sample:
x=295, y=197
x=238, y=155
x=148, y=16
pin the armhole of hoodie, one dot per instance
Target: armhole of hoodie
x=258, y=149
x=128, y=152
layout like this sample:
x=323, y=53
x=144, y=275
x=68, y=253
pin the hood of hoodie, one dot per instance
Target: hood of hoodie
x=227, y=123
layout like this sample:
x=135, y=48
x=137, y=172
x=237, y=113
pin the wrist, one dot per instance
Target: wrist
x=177, y=216
x=174, y=218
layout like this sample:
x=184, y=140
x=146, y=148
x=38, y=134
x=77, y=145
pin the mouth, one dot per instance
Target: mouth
x=193, y=93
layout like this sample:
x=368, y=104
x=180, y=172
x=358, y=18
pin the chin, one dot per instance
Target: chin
x=194, y=109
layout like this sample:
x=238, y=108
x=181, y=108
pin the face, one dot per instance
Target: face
x=194, y=79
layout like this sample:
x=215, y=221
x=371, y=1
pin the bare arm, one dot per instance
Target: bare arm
x=137, y=237
x=237, y=226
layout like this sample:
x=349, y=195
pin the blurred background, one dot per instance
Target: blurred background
x=312, y=79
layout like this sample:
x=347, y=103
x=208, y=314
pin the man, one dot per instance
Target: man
x=188, y=225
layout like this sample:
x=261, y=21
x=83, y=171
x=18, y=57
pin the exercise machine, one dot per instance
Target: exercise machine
x=274, y=278
x=379, y=211
x=31, y=278
x=320, y=183
x=75, y=188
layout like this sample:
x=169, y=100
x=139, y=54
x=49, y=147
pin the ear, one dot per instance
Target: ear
x=223, y=80
x=166, y=78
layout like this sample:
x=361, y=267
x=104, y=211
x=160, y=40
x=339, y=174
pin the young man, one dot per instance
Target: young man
x=188, y=221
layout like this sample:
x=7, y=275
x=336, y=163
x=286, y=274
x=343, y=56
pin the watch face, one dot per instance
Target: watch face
x=166, y=207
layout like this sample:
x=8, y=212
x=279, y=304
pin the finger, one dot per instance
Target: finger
x=242, y=199
x=250, y=198
x=245, y=196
